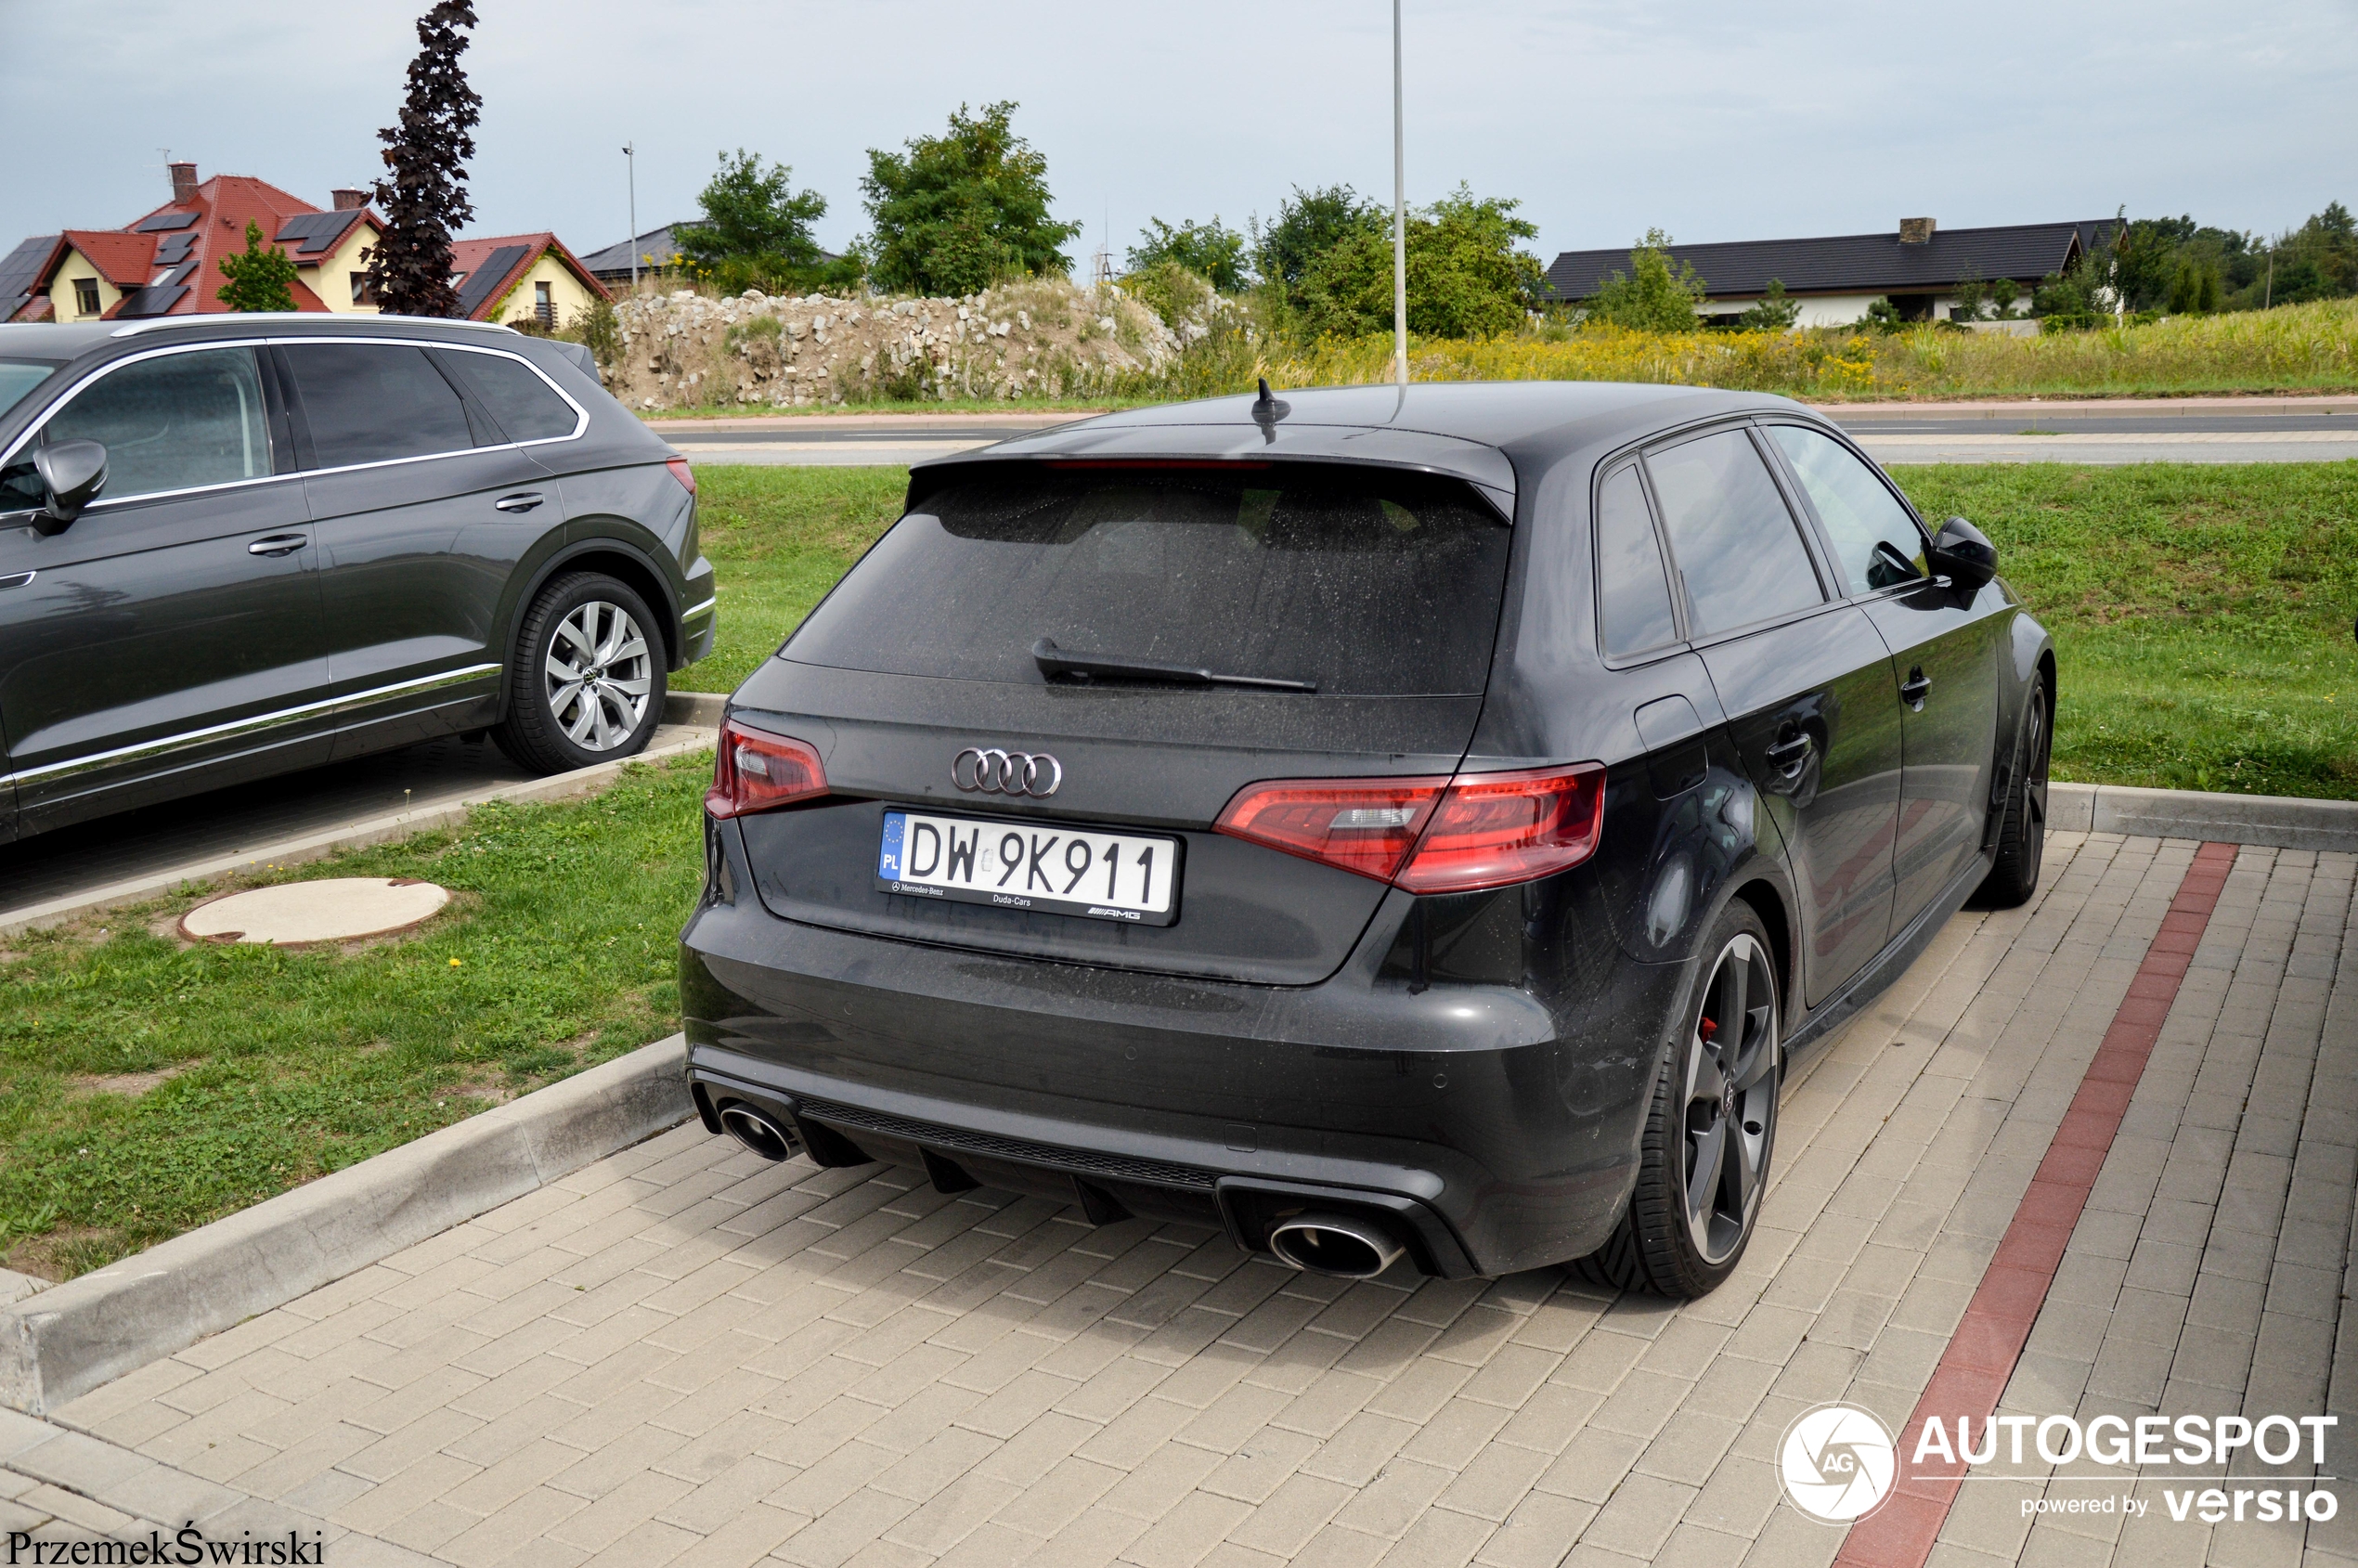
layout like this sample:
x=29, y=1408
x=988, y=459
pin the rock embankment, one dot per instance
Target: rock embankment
x=1034, y=340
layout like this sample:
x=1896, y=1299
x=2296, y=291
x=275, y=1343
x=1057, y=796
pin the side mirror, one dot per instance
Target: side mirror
x=73, y=473
x=1963, y=555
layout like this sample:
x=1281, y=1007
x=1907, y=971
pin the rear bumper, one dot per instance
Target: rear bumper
x=699, y=616
x=1494, y=1129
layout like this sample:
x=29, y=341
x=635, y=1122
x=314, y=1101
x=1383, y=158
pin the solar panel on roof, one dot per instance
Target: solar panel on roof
x=174, y=248
x=20, y=269
x=489, y=276
x=317, y=231
x=163, y=221
x=153, y=301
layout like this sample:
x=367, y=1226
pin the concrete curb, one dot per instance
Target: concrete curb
x=700, y=708
x=354, y=835
x=2280, y=822
x=63, y=1343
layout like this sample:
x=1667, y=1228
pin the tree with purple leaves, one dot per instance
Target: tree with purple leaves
x=423, y=196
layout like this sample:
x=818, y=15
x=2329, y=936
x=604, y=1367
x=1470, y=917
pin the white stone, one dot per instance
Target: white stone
x=327, y=910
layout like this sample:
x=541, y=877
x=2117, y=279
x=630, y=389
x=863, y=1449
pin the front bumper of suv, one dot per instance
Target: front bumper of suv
x=1488, y=1128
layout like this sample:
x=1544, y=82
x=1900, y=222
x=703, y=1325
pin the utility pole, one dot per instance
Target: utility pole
x=631, y=162
x=1399, y=211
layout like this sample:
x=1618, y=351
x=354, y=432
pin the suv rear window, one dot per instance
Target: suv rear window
x=1357, y=581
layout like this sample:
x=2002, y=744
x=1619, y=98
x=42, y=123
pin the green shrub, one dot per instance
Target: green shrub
x=1653, y=295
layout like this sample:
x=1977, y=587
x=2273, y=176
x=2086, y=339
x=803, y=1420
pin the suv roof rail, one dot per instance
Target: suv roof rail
x=222, y=318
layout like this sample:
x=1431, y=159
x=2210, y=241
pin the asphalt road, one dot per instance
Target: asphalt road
x=2190, y=430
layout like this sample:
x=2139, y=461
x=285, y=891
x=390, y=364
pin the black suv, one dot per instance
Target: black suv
x=231, y=546
x=1383, y=824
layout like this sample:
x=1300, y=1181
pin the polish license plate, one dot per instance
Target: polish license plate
x=1127, y=876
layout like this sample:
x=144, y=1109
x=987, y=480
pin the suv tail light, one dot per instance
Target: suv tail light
x=754, y=770
x=682, y=473
x=1430, y=834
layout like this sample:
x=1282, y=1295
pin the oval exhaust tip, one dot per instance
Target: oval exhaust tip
x=756, y=1132
x=1336, y=1245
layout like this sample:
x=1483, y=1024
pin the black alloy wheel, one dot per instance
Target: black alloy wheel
x=1711, y=1129
x=2022, y=840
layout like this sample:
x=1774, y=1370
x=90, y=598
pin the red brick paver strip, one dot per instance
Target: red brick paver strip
x=1972, y=1372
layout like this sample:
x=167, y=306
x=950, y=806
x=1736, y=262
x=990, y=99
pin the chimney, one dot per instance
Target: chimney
x=347, y=199
x=1916, y=232
x=184, y=184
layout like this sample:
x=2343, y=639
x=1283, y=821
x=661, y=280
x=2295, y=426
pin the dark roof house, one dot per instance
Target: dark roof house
x=1917, y=266
x=657, y=251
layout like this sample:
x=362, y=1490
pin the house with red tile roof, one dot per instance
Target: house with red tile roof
x=520, y=278
x=168, y=262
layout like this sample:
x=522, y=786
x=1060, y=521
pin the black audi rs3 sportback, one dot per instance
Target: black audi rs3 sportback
x=1409, y=827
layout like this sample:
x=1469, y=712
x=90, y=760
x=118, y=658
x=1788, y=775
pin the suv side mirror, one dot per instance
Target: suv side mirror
x=1963, y=555
x=73, y=473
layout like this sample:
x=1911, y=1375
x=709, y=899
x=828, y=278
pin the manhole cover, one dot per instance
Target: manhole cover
x=331, y=909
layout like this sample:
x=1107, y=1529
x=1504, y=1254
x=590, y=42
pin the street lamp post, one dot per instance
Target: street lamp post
x=631, y=162
x=1399, y=213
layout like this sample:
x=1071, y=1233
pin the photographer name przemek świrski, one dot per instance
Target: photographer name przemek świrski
x=188, y=1546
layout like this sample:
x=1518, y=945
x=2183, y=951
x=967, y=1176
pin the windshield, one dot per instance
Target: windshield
x=18, y=377
x=1355, y=581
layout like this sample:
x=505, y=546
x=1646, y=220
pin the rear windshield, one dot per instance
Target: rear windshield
x=1355, y=581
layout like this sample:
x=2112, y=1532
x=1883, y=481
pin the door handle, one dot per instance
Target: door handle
x=277, y=544
x=523, y=501
x=1913, y=690
x=1789, y=757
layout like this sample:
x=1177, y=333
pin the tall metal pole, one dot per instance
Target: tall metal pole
x=631, y=157
x=1399, y=212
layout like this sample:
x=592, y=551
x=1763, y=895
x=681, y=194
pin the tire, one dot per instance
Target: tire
x=2022, y=840
x=583, y=624
x=1712, y=1103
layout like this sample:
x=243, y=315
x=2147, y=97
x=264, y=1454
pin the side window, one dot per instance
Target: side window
x=1876, y=542
x=1734, y=540
x=526, y=407
x=173, y=422
x=371, y=402
x=1633, y=594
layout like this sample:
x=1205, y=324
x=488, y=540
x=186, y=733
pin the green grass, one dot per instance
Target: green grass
x=2202, y=613
x=559, y=952
x=777, y=538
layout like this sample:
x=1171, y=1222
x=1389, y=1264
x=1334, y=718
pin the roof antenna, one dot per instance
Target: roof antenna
x=1268, y=409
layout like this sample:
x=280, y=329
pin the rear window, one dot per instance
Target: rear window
x=1355, y=581
x=527, y=408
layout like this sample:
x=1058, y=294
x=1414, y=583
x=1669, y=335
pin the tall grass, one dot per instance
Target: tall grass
x=2305, y=348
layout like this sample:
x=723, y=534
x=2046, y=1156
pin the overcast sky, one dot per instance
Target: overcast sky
x=1711, y=119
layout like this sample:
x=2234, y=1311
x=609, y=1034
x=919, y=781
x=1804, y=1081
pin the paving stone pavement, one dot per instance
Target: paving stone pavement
x=683, y=1352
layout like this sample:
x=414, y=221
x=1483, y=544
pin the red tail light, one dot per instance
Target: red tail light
x=682, y=473
x=1430, y=834
x=1366, y=825
x=755, y=771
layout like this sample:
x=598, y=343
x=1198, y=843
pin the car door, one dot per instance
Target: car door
x=1944, y=648
x=169, y=637
x=1806, y=685
x=424, y=507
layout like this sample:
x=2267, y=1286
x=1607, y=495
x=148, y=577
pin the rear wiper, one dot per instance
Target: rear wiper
x=1054, y=661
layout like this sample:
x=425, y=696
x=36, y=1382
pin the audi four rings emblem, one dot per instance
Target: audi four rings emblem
x=989, y=770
